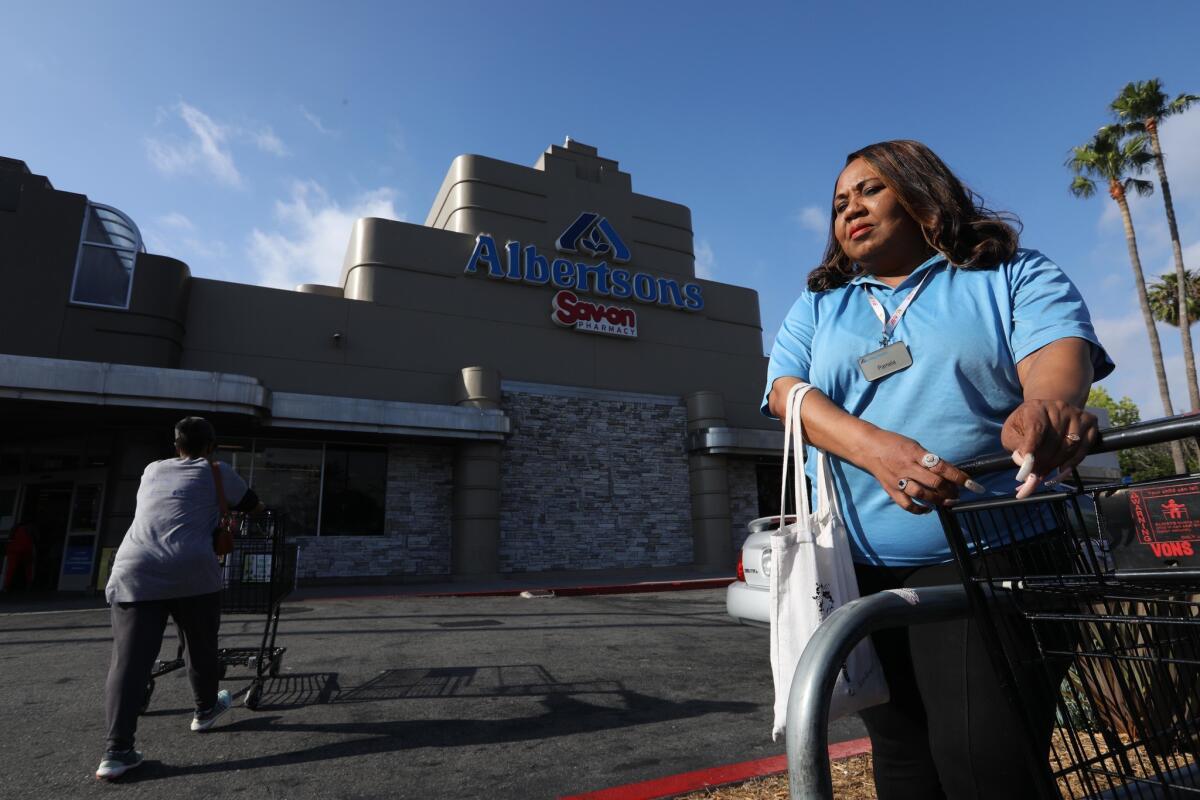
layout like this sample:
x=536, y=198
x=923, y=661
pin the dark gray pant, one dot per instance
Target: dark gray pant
x=949, y=730
x=137, y=637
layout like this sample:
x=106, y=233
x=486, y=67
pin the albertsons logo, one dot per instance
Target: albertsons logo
x=594, y=235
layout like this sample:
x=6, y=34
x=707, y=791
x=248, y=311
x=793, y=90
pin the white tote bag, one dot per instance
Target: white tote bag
x=812, y=574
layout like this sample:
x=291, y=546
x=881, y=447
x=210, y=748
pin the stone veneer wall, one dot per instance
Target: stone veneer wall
x=416, y=538
x=594, y=480
x=743, y=499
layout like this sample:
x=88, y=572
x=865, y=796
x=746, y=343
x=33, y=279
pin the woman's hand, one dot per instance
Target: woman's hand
x=909, y=473
x=1057, y=434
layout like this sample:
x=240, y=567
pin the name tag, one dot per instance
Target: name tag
x=885, y=361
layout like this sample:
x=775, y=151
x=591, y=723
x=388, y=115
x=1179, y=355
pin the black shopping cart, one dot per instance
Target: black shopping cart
x=257, y=575
x=1089, y=601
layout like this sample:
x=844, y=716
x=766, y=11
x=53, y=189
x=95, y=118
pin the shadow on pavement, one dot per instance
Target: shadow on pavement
x=562, y=715
x=514, y=680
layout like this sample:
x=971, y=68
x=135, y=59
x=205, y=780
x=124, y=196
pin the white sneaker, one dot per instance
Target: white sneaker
x=117, y=762
x=203, y=720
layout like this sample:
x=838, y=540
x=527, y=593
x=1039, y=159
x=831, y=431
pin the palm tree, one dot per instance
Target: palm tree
x=1164, y=293
x=1106, y=157
x=1140, y=107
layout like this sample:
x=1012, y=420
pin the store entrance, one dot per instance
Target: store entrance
x=45, y=512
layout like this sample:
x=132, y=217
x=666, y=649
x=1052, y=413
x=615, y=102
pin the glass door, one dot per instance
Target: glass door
x=83, y=533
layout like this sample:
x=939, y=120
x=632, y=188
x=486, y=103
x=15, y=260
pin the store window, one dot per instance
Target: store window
x=107, y=256
x=352, y=498
x=287, y=476
x=324, y=489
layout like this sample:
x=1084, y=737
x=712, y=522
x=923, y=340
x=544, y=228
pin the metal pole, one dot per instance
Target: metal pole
x=807, y=731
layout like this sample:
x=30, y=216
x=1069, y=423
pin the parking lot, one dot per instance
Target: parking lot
x=498, y=697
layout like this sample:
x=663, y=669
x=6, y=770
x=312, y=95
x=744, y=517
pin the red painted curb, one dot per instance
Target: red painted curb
x=674, y=785
x=563, y=591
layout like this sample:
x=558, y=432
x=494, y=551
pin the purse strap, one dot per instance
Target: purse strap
x=793, y=439
x=216, y=471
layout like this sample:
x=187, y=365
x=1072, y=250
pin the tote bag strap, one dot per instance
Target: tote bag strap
x=216, y=471
x=827, y=502
x=793, y=439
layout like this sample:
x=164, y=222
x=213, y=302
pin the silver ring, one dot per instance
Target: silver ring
x=929, y=460
x=1073, y=438
x=902, y=483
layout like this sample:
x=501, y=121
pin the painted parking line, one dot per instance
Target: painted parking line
x=716, y=776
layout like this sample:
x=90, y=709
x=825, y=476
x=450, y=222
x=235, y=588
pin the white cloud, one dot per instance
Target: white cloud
x=315, y=121
x=1178, y=136
x=314, y=231
x=176, y=221
x=706, y=265
x=1127, y=343
x=814, y=219
x=176, y=236
x=268, y=142
x=206, y=149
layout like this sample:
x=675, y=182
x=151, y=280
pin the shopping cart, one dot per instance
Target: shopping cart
x=1089, y=601
x=257, y=575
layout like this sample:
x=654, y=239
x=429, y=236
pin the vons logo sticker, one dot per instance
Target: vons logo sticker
x=569, y=311
x=594, y=235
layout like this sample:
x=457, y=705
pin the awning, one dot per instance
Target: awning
x=56, y=380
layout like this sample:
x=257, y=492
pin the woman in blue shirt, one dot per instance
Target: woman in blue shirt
x=932, y=337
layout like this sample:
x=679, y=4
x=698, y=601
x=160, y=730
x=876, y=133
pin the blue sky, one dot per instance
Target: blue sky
x=246, y=138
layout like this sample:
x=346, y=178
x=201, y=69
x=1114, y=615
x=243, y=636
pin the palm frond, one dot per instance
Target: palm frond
x=1080, y=159
x=1143, y=188
x=1163, y=296
x=1140, y=100
x=1181, y=104
x=1117, y=130
x=1083, y=187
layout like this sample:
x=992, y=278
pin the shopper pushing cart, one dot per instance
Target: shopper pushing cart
x=165, y=567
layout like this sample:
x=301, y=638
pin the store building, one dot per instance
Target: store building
x=533, y=380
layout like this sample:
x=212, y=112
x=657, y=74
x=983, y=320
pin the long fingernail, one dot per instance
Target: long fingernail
x=975, y=486
x=1027, y=487
x=1026, y=468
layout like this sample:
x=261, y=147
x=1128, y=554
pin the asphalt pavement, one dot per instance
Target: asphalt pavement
x=409, y=697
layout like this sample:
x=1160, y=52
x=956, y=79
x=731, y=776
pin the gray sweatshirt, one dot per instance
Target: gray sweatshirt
x=168, y=550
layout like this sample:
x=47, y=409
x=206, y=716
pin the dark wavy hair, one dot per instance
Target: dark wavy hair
x=953, y=218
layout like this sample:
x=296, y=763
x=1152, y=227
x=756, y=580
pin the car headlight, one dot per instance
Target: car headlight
x=765, y=564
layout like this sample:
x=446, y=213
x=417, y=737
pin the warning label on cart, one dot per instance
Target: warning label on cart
x=1167, y=518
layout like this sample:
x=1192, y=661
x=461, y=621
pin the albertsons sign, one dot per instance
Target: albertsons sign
x=592, y=235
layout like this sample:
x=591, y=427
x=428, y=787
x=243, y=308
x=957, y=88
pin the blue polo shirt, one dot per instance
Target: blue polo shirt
x=966, y=331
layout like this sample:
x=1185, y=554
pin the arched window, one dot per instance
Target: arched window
x=107, y=256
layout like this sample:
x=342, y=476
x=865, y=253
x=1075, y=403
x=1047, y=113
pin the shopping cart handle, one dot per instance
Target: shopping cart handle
x=1155, y=431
